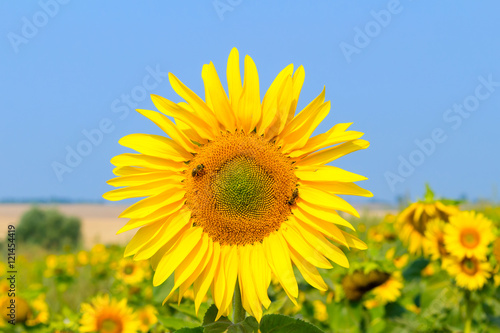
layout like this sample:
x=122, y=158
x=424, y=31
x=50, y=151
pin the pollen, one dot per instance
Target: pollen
x=245, y=190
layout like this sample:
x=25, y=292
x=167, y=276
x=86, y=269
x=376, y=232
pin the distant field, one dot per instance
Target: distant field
x=100, y=222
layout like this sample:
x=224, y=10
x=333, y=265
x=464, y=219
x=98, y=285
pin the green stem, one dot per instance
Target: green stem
x=238, y=311
x=470, y=306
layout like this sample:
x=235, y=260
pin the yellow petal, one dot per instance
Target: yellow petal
x=197, y=272
x=140, y=160
x=354, y=241
x=249, y=108
x=320, y=243
x=335, y=135
x=161, y=213
x=324, y=214
x=305, y=114
x=261, y=273
x=180, y=114
x=205, y=279
x=234, y=78
x=285, y=95
x=194, y=101
x=152, y=178
x=270, y=101
x=150, y=205
x=308, y=271
x=338, y=188
x=173, y=258
x=129, y=170
x=333, y=153
x=297, y=82
x=277, y=253
x=328, y=228
x=142, y=236
x=231, y=267
x=326, y=200
x=295, y=240
x=297, y=138
x=218, y=98
x=248, y=290
x=327, y=174
x=173, y=226
x=219, y=281
x=156, y=145
x=189, y=264
x=170, y=129
x=144, y=190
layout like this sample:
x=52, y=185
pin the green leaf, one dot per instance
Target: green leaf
x=249, y=325
x=176, y=323
x=189, y=309
x=276, y=323
x=414, y=269
x=429, y=194
x=161, y=291
x=276, y=306
x=212, y=326
x=190, y=330
x=345, y=316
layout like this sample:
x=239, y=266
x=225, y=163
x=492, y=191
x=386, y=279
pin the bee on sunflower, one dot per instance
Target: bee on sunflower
x=239, y=191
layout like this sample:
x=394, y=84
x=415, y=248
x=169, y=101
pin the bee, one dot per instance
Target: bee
x=198, y=170
x=295, y=195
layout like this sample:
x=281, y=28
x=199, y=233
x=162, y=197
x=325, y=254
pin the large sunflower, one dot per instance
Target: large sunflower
x=412, y=222
x=468, y=235
x=105, y=315
x=239, y=191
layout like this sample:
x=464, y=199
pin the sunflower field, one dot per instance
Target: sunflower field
x=431, y=267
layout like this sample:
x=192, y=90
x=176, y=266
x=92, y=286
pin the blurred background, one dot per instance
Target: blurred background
x=421, y=80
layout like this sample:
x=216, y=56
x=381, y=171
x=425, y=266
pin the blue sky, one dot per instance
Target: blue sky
x=421, y=79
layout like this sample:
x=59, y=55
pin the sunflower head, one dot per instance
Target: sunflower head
x=132, y=272
x=358, y=283
x=107, y=315
x=470, y=273
x=412, y=222
x=238, y=191
x=468, y=235
x=390, y=290
x=147, y=318
x=23, y=310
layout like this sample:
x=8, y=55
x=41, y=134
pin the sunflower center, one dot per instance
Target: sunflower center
x=470, y=266
x=243, y=188
x=469, y=238
x=109, y=325
x=239, y=188
x=129, y=269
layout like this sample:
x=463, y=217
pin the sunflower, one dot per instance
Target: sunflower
x=470, y=273
x=412, y=222
x=358, y=283
x=105, y=315
x=39, y=312
x=390, y=290
x=468, y=234
x=239, y=191
x=434, y=239
x=132, y=272
x=147, y=318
